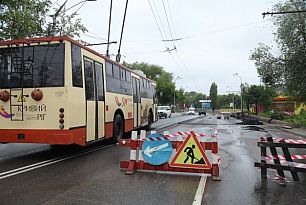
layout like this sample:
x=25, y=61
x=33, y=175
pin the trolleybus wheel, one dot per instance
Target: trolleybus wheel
x=117, y=128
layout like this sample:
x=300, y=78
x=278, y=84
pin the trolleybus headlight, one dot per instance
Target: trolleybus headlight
x=61, y=126
x=61, y=110
x=37, y=94
x=61, y=115
x=61, y=121
x=4, y=95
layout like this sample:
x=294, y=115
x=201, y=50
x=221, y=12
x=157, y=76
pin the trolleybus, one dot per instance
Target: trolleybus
x=54, y=90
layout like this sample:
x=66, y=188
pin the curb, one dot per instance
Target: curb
x=294, y=132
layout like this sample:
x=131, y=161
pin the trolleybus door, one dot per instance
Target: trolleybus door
x=100, y=106
x=137, y=102
x=94, y=92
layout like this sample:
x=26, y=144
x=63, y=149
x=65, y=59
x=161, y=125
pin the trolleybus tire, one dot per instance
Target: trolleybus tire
x=118, y=128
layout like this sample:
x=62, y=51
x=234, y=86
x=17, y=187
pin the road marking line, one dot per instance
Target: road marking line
x=200, y=191
x=27, y=168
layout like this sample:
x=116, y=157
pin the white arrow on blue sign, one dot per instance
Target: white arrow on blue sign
x=156, y=152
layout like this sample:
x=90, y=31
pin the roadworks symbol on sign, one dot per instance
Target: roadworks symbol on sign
x=191, y=155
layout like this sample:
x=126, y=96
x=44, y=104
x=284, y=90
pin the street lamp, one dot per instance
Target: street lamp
x=177, y=78
x=237, y=75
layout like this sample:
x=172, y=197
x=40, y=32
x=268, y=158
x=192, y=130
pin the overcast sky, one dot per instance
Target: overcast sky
x=216, y=37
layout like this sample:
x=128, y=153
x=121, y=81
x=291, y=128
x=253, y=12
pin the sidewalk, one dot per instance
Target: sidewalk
x=299, y=131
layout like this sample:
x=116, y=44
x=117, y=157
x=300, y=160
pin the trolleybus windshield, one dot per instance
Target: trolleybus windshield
x=32, y=66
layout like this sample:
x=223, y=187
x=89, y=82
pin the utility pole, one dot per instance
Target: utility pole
x=177, y=78
x=237, y=75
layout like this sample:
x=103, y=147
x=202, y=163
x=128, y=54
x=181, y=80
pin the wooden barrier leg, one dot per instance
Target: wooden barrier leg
x=280, y=172
x=263, y=155
x=289, y=159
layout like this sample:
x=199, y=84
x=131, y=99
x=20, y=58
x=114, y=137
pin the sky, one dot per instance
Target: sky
x=216, y=37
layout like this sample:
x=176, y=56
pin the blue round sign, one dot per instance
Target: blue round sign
x=156, y=152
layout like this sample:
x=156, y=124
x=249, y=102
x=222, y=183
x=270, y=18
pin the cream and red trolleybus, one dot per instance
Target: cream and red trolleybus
x=56, y=91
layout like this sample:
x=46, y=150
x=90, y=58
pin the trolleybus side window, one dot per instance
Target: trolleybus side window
x=109, y=69
x=77, y=77
x=154, y=94
x=99, y=81
x=112, y=83
x=89, y=83
x=146, y=89
x=128, y=76
x=116, y=72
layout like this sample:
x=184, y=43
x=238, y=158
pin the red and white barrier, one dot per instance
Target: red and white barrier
x=292, y=141
x=282, y=157
x=285, y=163
x=208, y=143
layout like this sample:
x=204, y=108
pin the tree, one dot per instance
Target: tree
x=165, y=87
x=213, y=93
x=286, y=68
x=255, y=94
x=28, y=18
x=223, y=101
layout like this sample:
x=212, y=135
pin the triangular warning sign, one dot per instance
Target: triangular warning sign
x=191, y=155
x=21, y=98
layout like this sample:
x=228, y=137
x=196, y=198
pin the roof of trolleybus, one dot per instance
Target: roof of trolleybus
x=59, y=39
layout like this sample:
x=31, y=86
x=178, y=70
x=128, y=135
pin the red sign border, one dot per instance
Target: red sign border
x=195, y=166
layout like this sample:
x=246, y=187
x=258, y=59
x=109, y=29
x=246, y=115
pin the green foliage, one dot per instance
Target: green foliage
x=255, y=94
x=29, y=18
x=299, y=120
x=192, y=99
x=288, y=67
x=213, y=93
x=165, y=87
x=22, y=18
x=223, y=101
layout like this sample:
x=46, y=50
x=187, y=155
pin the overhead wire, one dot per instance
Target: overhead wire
x=160, y=19
x=163, y=35
x=157, y=22
x=168, y=21
x=175, y=48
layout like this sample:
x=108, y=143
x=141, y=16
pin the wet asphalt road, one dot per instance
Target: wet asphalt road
x=95, y=178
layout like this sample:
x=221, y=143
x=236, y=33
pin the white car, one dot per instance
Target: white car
x=191, y=111
x=164, y=111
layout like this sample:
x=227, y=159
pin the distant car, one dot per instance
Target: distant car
x=164, y=111
x=191, y=111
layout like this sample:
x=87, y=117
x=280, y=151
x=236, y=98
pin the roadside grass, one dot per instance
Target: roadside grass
x=299, y=120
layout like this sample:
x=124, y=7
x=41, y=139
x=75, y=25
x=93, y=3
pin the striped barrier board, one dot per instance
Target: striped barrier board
x=292, y=141
x=282, y=157
x=286, y=163
x=181, y=135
